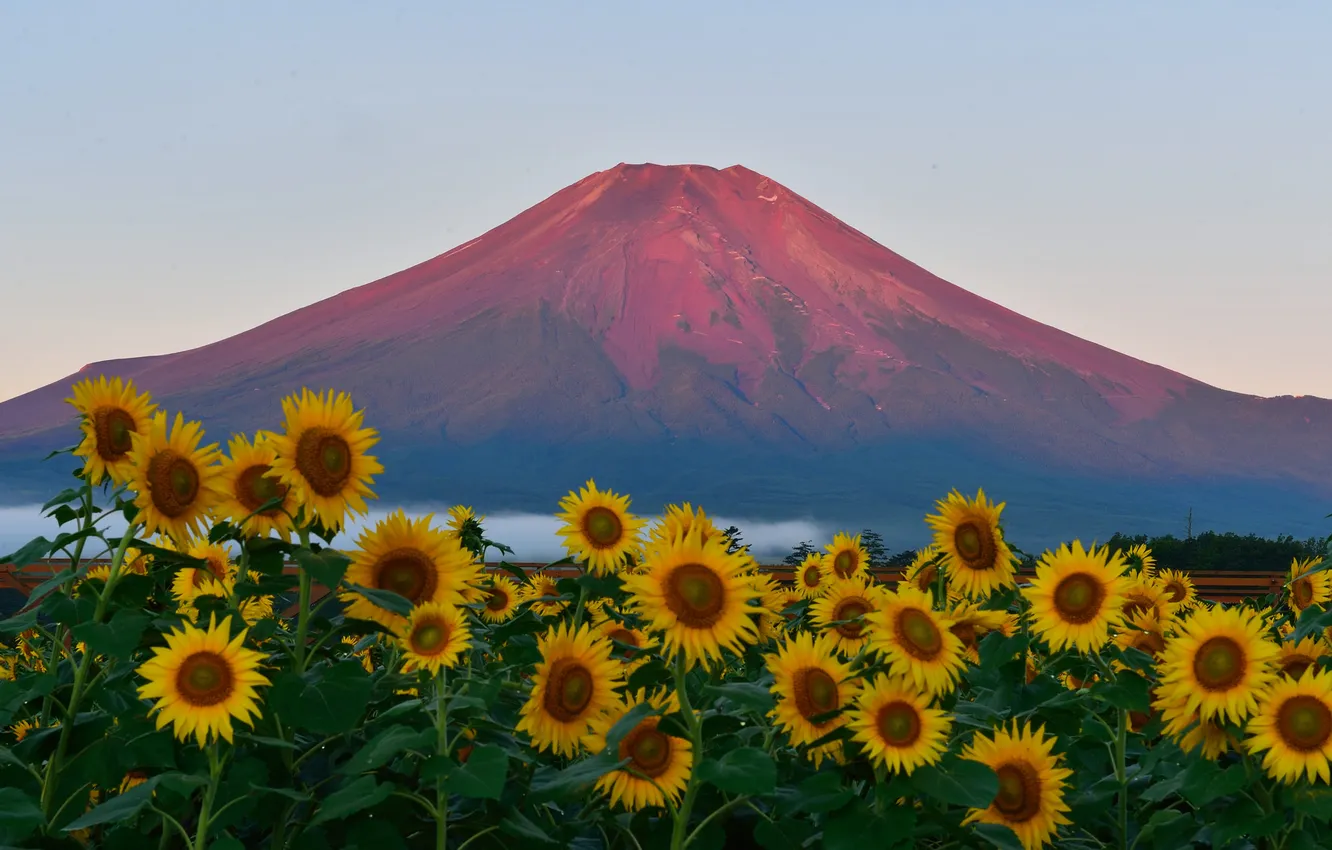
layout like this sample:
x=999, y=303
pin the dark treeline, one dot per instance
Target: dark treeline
x=1211, y=551
x=1205, y=552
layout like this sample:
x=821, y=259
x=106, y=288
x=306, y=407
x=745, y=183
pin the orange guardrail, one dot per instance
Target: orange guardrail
x=1215, y=585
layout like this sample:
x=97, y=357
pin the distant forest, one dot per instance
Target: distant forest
x=1206, y=551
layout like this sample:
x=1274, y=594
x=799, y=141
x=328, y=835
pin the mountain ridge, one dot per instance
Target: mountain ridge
x=648, y=305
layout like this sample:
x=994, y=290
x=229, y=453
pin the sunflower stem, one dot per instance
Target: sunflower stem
x=442, y=749
x=205, y=810
x=578, y=612
x=680, y=836
x=302, y=608
x=1121, y=776
x=81, y=678
x=68, y=588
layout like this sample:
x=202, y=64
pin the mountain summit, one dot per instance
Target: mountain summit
x=698, y=330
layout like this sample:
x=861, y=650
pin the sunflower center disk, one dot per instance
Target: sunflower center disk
x=497, y=600
x=849, y=610
x=1019, y=796
x=1135, y=604
x=602, y=527
x=1078, y=598
x=255, y=488
x=918, y=634
x=1152, y=643
x=965, y=632
x=204, y=679
x=1295, y=666
x=649, y=749
x=1219, y=664
x=695, y=595
x=408, y=573
x=845, y=564
x=1304, y=723
x=625, y=636
x=1302, y=590
x=899, y=724
x=113, y=427
x=429, y=638
x=1176, y=592
x=926, y=579
x=569, y=690
x=975, y=545
x=323, y=458
x=173, y=483
x=815, y=692
x=812, y=576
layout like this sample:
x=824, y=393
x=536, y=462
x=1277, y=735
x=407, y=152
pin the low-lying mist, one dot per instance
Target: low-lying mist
x=531, y=536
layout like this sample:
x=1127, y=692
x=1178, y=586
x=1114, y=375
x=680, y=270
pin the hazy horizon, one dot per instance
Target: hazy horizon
x=1149, y=177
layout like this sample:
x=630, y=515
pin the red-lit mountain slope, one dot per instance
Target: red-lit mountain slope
x=650, y=304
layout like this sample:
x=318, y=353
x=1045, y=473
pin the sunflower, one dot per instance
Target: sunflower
x=1190, y=732
x=363, y=655
x=789, y=599
x=847, y=604
x=924, y=569
x=1218, y=664
x=809, y=681
x=574, y=682
x=435, y=636
x=175, y=482
x=110, y=413
x=1076, y=597
x=1293, y=727
x=321, y=455
x=1307, y=584
x=462, y=516
x=1140, y=560
x=916, y=641
x=1145, y=633
x=629, y=645
x=975, y=555
x=595, y=610
x=132, y=779
x=501, y=600
x=218, y=570
x=202, y=680
x=599, y=528
x=767, y=614
x=543, y=586
x=679, y=520
x=659, y=764
x=1296, y=657
x=1030, y=800
x=21, y=729
x=249, y=483
x=809, y=581
x=894, y=723
x=134, y=562
x=695, y=595
x=412, y=559
x=844, y=558
x=971, y=623
x=255, y=608
x=1178, y=589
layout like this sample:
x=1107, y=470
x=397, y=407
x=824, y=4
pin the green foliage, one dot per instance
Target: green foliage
x=349, y=746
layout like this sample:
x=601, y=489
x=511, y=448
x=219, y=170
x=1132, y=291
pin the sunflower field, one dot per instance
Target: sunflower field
x=179, y=686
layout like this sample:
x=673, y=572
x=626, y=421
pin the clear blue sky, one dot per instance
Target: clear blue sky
x=1156, y=177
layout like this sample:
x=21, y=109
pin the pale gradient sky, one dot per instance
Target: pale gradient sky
x=1151, y=176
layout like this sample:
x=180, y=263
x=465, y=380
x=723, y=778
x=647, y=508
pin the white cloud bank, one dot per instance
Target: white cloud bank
x=531, y=536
